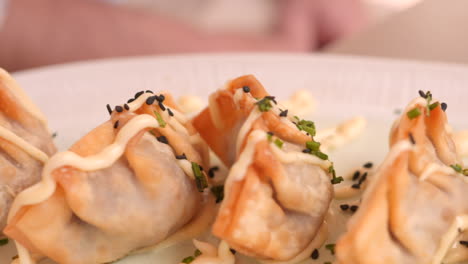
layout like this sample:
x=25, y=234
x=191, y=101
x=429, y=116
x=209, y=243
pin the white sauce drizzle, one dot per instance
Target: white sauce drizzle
x=460, y=223
x=296, y=156
x=434, y=167
x=300, y=103
x=341, y=134
x=210, y=255
x=25, y=146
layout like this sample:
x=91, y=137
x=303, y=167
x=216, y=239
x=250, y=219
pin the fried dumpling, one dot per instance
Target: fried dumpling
x=279, y=187
x=128, y=184
x=415, y=208
x=25, y=143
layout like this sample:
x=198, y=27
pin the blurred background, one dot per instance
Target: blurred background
x=43, y=32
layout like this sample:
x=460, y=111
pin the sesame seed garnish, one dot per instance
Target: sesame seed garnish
x=116, y=124
x=150, y=100
x=354, y=208
x=344, y=207
x=306, y=150
x=181, y=157
x=138, y=94
x=422, y=94
x=161, y=105
x=126, y=107
x=55, y=134
x=315, y=254
x=356, y=186
x=148, y=91
x=163, y=139
x=284, y=113
x=464, y=243
x=270, y=133
x=356, y=175
x=160, y=98
x=212, y=170
x=368, y=165
x=109, y=109
x=130, y=100
x=233, y=251
x=363, y=178
x=119, y=109
x=170, y=112
x=411, y=138
x=246, y=89
x=443, y=106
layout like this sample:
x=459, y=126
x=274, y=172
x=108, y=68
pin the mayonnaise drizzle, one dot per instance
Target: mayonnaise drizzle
x=25, y=146
x=434, y=167
x=460, y=224
x=212, y=256
x=339, y=135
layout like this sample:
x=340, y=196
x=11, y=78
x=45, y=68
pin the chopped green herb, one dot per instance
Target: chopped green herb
x=415, y=112
x=331, y=247
x=313, y=145
x=337, y=180
x=264, y=105
x=456, y=167
x=433, y=106
x=320, y=155
x=3, y=241
x=188, y=259
x=161, y=121
x=334, y=180
x=218, y=192
x=465, y=172
x=306, y=125
x=270, y=136
x=200, y=179
x=279, y=143
x=197, y=253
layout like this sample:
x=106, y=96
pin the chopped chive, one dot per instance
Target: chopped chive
x=270, y=136
x=320, y=155
x=264, y=105
x=279, y=143
x=218, y=192
x=161, y=121
x=433, y=106
x=413, y=113
x=465, y=172
x=331, y=247
x=3, y=241
x=200, y=179
x=456, y=167
x=197, y=253
x=337, y=180
x=306, y=125
x=313, y=145
x=188, y=259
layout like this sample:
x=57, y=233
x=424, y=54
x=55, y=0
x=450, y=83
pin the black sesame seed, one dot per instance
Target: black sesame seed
x=443, y=106
x=119, y=109
x=246, y=89
x=201, y=168
x=464, y=243
x=353, y=208
x=233, y=251
x=138, y=94
x=150, y=100
x=306, y=150
x=272, y=98
x=181, y=157
x=212, y=170
x=148, y=91
x=363, y=178
x=411, y=138
x=116, y=124
x=126, y=107
x=270, y=133
x=344, y=207
x=162, y=106
x=356, y=186
x=160, y=98
x=130, y=100
x=55, y=134
x=162, y=139
x=284, y=113
x=422, y=94
x=109, y=109
x=368, y=165
x=170, y=112
x=315, y=254
x=356, y=175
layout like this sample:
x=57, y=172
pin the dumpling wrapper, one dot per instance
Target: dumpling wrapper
x=100, y=216
x=272, y=208
x=23, y=121
x=414, y=200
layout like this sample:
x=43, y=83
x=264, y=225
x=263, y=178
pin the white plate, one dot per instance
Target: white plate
x=74, y=96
